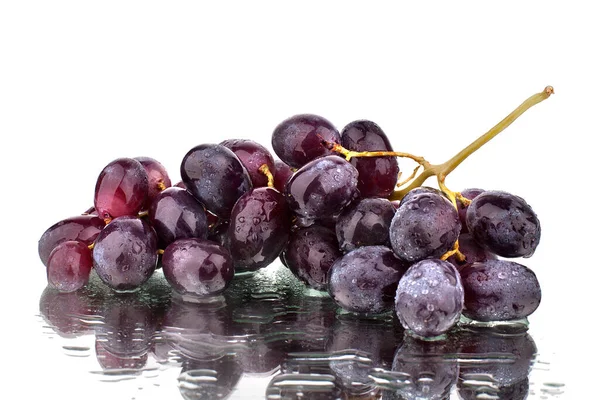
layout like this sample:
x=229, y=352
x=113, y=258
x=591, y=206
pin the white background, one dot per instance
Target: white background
x=82, y=83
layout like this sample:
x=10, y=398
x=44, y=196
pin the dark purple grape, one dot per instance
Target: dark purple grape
x=83, y=228
x=125, y=253
x=377, y=176
x=216, y=177
x=158, y=178
x=322, y=188
x=430, y=298
x=472, y=251
x=310, y=253
x=258, y=229
x=252, y=155
x=69, y=266
x=418, y=190
x=504, y=224
x=197, y=267
x=425, y=226
x=365, y=223
x=121, y=188
x=298, y=139
x=500, y=290
x=462, y=210
x=364, y=281
x=176, y=214
x=281, y=175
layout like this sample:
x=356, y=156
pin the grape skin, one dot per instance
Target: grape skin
x=504, y=224
x=430, y=298
x=500, y=290
x=252, y=155
x=470, y=194
x=425, y=226
x=282, y=175
x=157, y=178
x=69, y=266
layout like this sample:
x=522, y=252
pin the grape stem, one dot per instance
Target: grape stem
x=265, y=170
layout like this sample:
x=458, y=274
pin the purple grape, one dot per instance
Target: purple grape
x=430, y=298
x=462, y=210
x=472, y=252
x=125, y=253
x=322, y=188
x=216, y=177
x=418, y=190
x=69, y=266
x=425, y=226
x=504, y=224
x=500, y=290
x=310, y=253
x=158, y=178
x=281, y=175
x=298, y=139
x=377, y=176
x=83, y=228
x=176, y=214
x=121, y=189
x=364, y=281
x=252, y=155
x=365, y=223
x=258, y=229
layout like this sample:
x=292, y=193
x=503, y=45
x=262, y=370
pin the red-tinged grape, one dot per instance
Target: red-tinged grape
x=282, y=175
x=298, y=139
x=425, y=226
x=472, y=252
x=377, y=176
x=430, y=298
x=364, y=281
x=197, y=267
x=69, y=266
x=322, y=188
x=125, y=253
x=121, y=188
x=216, y=177
x=504, y=224
x=158, y=178
x=176, y=214
x=310, y=253
x=252, y=155
x=258, y=229
x=83, y=228
x=500, y=290
x=469, y=194
x=365, y=222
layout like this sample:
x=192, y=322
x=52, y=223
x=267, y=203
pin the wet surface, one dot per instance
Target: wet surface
x=269, y=337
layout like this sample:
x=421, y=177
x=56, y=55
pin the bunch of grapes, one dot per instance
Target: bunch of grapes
x=332, y=208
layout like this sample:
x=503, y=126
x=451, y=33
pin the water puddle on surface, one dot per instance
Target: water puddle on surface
x=267, y=335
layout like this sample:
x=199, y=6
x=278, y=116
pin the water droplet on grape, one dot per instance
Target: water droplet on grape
x=241, y=220
x=502, y=275
x=430, y=307
x=256, y=220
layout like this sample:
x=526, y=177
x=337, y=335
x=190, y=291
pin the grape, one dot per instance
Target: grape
x=500, y=290
x=83, y=228
x=365, y=223
x=158, y=178
x=197, y=267
x=425, y=226
x=322, y=188
x=218, y=234
x=69, y=266
x=298, y=139
x=216, y=177
x=258, y=229
x=418, y=190
x=472, y=252
x=252, y=155
x=125, y=253
x=121, y=188
x=462, y=210
x=365, y=280
x=310, y=253
x=282, y=175
x=377, y=176
x=504, y=224
x=430, y=298
x=176, y=214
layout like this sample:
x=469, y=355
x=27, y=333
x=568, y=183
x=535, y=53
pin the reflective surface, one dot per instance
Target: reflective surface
x=270, y=337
